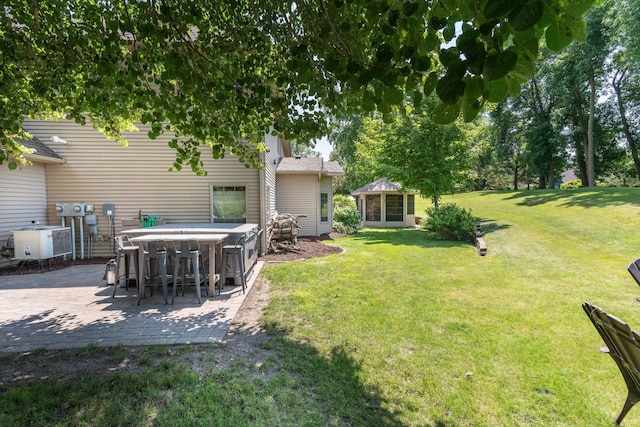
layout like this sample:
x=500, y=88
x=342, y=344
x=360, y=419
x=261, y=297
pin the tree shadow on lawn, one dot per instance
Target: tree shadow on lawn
x=582, y=197
x=404, y=236
x=334, y=384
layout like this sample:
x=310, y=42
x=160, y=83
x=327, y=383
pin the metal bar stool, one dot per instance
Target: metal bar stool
x=125, y=252
x=189, y=251
x=233, y=264
x=156, y=255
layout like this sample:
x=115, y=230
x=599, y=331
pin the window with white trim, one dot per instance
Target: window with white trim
x=229, y=204
x=324, y=207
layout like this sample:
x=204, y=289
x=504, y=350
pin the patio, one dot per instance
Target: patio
x=73, y=308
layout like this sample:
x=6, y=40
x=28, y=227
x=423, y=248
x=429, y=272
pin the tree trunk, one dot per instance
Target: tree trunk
x=589, y=155
x=581, y=140
x=551, y=176
x=616, y=83
x=515, y=177
x=543, y=183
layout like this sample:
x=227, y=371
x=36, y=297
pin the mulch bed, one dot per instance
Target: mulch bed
x=310, y=247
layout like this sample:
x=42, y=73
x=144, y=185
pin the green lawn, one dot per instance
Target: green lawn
x=441, y=336
x=403, y=329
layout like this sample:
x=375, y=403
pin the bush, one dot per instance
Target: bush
x=451, y=222
x=345, y=215
x=575, y=183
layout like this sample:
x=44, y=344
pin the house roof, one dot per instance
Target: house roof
x=308, y=165
x=41, y=152
x=381, y=186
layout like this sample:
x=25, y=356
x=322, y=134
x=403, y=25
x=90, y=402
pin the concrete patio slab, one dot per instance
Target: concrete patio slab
x=73, y=307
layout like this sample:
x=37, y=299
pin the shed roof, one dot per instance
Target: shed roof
x=309, y=165
x=381, y=186
x=41, y=151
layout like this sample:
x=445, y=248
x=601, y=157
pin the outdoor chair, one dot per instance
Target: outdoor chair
x=233, y=264
x=155, y=257
x=189, y=255
x=623, y=345
x=125, y=252
x=634, y=270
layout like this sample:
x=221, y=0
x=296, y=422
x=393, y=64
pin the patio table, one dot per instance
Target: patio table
x=212, y=240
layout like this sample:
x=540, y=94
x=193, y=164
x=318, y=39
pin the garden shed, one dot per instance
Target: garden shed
x=385, y=204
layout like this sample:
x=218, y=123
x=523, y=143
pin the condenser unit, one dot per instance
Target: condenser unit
x=42, y=242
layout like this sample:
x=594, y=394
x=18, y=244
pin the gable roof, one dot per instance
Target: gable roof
x=382, y=186
x=308, y=165
x=42, y=153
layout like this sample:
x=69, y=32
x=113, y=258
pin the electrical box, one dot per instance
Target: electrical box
x=91, y=219
x=108, y=209
x=42, y=242
x=71, y=209
x=89, y=208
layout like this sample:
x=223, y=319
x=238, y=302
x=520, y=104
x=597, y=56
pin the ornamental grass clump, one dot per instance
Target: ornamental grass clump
x=451, y=222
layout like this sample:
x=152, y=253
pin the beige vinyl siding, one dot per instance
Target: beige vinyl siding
x=298, y=194
x=23, y=201
x=326, y=187
x=136, y=178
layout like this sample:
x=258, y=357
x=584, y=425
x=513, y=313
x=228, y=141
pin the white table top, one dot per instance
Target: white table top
x=179, y=237
x=196, y=228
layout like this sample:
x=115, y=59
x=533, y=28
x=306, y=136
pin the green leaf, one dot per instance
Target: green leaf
x=422, y=63
x=526, y=15
x=392, y=96
x=417, y=98
x=474, y=87
x=409, y=8
x=449, y=90
x=470, y=109
x=514, y=87
x=558, y=35
x=384, y=53
x=430, y=83
x=445, y=113
x=496, y=9
x=577, y=8
x=496, y=90
x=498, y=65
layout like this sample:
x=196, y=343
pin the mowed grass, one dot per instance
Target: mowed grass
x=404, y=330
x=440, y=336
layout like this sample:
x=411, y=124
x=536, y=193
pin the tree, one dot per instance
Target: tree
x=423, y=155
x=222, y=74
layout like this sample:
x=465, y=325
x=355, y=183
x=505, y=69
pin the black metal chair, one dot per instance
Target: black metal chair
x=623, y=345
x=634, y=270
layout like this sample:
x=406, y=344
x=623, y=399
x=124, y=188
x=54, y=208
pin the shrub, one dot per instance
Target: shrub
x=345, y=215
x=575, y=183
x=451, y=222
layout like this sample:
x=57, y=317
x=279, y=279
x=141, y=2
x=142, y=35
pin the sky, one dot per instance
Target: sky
x=324, y=147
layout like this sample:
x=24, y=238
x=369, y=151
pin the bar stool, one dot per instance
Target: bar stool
x=189, y=251
x=125, y=252
x=235, y=254
x=156, y=253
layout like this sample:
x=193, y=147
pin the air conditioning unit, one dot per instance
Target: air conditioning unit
x=42, y=242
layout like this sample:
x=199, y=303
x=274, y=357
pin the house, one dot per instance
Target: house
x=78, y=164
x=300, y=183
x=385, y=204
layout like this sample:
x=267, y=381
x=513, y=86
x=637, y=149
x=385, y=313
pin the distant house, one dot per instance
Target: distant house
x=81, y=165
x=385, y=204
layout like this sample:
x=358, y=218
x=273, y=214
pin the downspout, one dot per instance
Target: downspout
x=263, y=202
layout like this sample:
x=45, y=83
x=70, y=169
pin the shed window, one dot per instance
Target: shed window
x=411, y=204
x=324, y=207
x=229, y=204
x=373, y=206
x=394, y=207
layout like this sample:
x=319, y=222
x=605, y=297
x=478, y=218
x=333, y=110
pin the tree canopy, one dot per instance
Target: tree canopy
x=223, y=74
